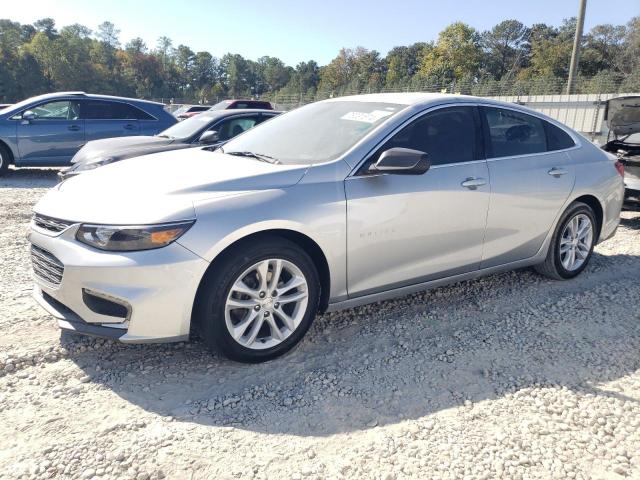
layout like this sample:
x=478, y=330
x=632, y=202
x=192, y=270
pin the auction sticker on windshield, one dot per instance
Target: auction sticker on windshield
x=366, y=117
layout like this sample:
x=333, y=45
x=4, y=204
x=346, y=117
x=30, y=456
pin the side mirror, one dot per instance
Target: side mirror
x=210, y=136
x=402, y=161
x=29, y=115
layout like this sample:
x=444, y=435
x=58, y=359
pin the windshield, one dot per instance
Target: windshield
x=316, y=133
x=187, y=128
x=24, y=103
x=221, y=105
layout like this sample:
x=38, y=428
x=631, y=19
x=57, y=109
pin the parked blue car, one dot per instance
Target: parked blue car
x=49, y=129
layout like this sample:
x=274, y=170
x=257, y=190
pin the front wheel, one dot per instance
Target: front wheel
x=4, y=160
x=572, y=243
x=259, y=301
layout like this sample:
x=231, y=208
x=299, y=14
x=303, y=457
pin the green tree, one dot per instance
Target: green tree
x=456, y=55
x=504, y=47
x=46, y=26
x=403, y=63
x=109, y=34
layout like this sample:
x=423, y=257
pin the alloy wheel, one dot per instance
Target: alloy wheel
x=576, y=242
x=266, y=303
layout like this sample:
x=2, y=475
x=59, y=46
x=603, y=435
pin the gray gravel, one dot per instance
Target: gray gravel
x=513, y=376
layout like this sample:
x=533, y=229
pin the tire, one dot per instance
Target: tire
x=216, y=315
x=5, y=159
x=553, y=266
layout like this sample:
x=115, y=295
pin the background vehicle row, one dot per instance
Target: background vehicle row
x=48, y=130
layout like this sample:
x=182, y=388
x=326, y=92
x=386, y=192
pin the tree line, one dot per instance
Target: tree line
x=507, y=59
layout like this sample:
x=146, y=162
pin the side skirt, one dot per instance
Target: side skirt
x=418, y=287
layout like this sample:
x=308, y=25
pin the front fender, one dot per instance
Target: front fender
x=8, y=136
x=318, y=213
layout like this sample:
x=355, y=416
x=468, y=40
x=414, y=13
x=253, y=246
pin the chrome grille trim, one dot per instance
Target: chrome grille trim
x=46, y=266
x=51, y=224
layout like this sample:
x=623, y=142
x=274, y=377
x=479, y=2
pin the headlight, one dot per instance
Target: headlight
x=82, y=166
x=130, y=238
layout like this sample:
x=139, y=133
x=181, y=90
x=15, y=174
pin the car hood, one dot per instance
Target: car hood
x=623, y=115
x=120, y=148
x=161, y=187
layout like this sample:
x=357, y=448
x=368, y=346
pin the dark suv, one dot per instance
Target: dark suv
x=49, y=129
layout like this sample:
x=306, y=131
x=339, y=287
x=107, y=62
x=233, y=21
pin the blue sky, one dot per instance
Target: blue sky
x=292, y=31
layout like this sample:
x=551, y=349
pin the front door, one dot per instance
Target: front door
x=408, y=229
x=53, y=136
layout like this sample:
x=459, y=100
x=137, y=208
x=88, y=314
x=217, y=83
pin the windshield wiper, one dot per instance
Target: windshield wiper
x=258, y=156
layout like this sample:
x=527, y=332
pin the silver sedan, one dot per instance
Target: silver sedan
x=336, y=204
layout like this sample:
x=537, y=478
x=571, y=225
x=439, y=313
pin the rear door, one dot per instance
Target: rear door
x=53, y=137
x=531, y=178
x=107, y=119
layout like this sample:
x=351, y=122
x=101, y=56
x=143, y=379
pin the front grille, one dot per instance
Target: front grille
x=46, y=266
x=50, y=224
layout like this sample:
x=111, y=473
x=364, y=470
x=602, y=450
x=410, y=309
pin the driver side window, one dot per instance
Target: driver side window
x=446, y=135
x=235, y=126
x=59, y=110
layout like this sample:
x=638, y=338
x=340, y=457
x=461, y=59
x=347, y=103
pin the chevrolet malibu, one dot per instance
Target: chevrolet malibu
x=336, y=204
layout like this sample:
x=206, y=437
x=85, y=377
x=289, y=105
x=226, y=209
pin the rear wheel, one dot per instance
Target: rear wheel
x=259, y=301
x=572, y=243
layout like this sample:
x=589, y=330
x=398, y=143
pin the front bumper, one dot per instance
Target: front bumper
x=157, y=287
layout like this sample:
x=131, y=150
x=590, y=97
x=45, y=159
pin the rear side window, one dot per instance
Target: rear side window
x=447, y=135
x=513, y=133
x=103, y=110
x=557, y=139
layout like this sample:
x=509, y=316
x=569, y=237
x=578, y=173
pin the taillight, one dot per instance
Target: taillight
x=620, y=168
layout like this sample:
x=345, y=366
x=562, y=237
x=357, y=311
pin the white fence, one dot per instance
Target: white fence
x=584, y=113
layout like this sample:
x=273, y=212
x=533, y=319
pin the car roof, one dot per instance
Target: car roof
x=47, y=96
x=235, y=111
x=402, y=98
x=420, y=99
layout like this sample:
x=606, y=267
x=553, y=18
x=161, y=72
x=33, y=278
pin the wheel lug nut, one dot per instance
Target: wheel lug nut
x=266, y=314
x=274, y=294
x=276, y=305
x=256, y=308
x=262, y=294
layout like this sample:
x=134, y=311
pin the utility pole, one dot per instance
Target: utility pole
x=577, y=41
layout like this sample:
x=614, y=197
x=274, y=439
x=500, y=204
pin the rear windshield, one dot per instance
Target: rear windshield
x=221, y=105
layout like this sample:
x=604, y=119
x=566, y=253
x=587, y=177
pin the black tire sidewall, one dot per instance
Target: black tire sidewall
x=4, y=160
x=578, y=208
x=211, y=321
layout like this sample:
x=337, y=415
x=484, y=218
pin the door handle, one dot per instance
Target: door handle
x=128, y=126
x=473, y=183
x=74, y=128
x=557, y=172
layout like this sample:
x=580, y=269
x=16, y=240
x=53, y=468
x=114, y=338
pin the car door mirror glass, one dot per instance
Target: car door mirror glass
x=210, y=136
x=401, y=161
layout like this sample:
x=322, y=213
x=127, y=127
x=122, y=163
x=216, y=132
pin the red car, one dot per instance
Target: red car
x=188, y=111
x=233, y=104
x=194, y=110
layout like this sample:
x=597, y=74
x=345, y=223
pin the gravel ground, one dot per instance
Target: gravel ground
x=513, y=376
